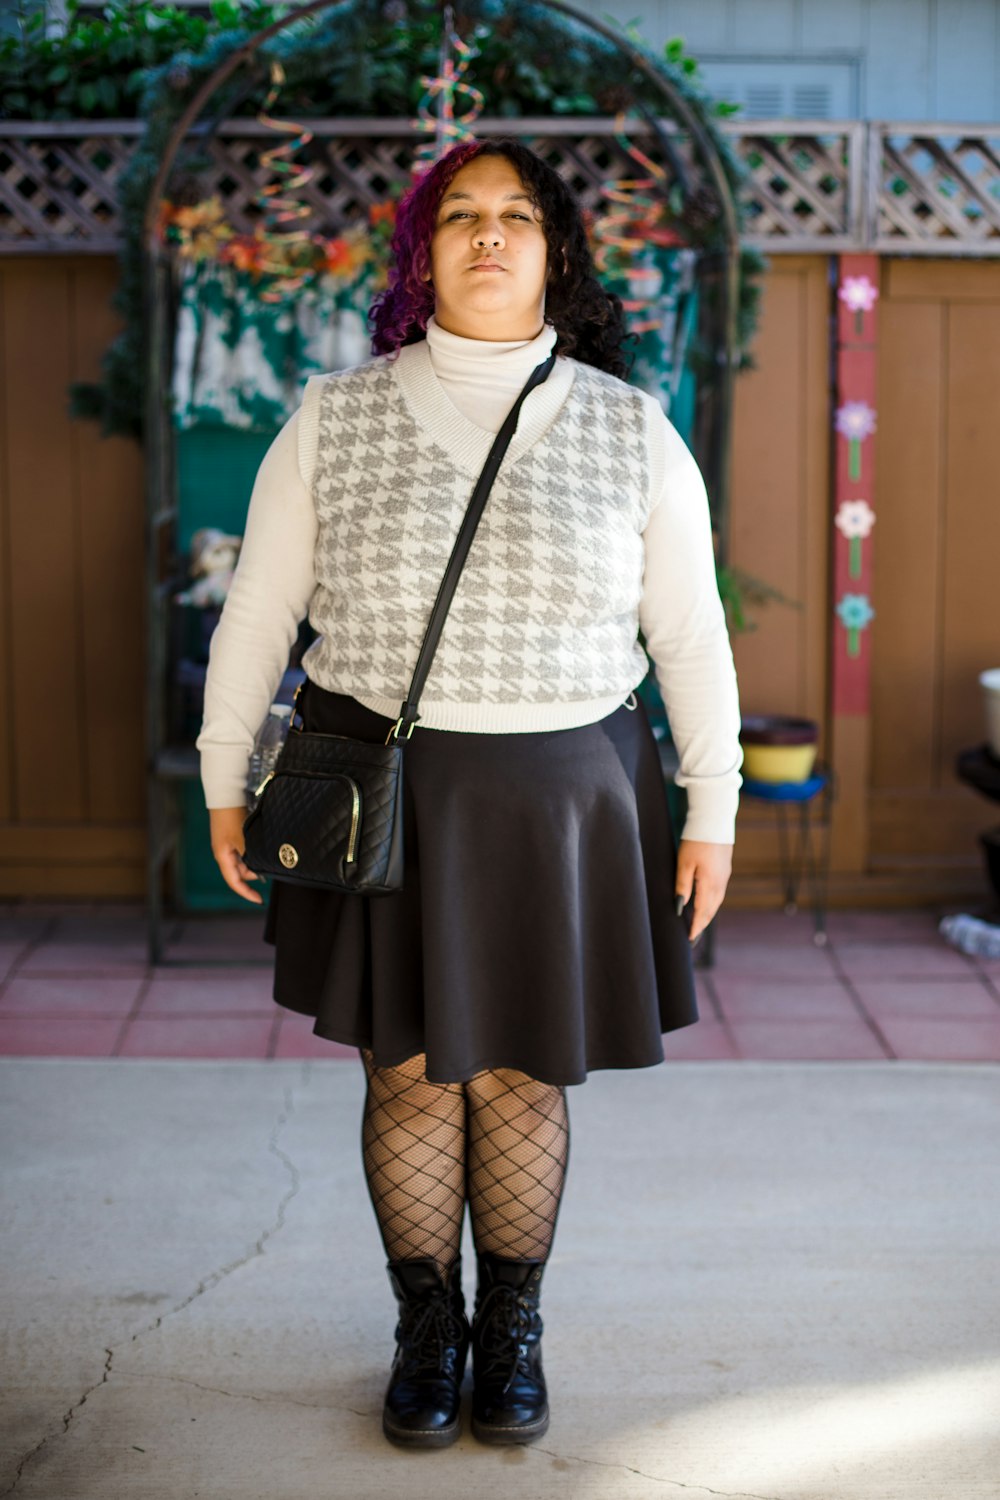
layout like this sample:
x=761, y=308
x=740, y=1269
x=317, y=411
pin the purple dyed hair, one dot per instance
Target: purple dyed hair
x=399, y=314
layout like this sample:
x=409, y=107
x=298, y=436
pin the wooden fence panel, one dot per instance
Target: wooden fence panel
x=71, y=636
x=936, y=594
x=43, y=566
x=779, y=526
x=6, y=734
x=110, y=480
x=908, y=538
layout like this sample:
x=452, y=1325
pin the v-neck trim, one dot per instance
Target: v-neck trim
x=466, y=444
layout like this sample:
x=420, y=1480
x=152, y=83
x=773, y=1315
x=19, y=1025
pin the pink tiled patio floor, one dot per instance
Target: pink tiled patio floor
x=75, y=982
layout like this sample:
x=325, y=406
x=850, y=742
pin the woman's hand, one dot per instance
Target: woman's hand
x=706, y=868
x=227, y=847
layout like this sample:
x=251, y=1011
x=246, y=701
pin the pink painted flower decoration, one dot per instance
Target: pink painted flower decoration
x=858, y=293
x=855, y=420
x=854, y=518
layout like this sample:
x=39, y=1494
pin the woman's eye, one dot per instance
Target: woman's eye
x=464, y=213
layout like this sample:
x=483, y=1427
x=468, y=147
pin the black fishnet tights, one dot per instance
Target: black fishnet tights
x=501, y=1141
x=516, y=1165
x=413, y=1144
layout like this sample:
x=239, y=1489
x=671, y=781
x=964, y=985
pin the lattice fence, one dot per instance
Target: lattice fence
x=940, y=190
x=353, y=170
x=807, y=186
x=812, y=185
x=58, y=185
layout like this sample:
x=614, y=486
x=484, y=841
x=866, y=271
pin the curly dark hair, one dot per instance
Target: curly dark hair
x=589, y=320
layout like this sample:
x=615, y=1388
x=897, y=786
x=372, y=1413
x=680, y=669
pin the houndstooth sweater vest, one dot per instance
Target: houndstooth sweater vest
x=546, y=609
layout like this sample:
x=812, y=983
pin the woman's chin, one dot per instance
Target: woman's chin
x=487, y=303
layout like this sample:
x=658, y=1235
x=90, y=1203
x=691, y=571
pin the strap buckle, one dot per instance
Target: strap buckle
x=394, y=731
x=296, y=709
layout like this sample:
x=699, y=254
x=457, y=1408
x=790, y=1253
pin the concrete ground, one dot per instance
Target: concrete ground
x=772, y=1279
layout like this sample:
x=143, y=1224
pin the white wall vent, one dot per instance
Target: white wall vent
x=781, y=88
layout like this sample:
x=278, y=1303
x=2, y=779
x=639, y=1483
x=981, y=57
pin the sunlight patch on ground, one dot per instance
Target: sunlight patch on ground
x=821, y=1441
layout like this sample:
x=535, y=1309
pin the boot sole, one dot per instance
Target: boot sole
x=431, y=1437
x=526, y=1433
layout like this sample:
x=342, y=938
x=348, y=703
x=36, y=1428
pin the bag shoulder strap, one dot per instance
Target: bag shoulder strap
x=408, y=714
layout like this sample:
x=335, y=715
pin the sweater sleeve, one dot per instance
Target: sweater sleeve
x=682, y=618
x=269, y=596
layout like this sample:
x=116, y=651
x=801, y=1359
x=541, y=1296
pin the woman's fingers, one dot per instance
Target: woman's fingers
x=707, y=901
x=236, y=874
x=227, y=847
x=703, y=869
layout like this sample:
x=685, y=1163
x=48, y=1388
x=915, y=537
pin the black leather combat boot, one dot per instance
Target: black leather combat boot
x=510, y=1402
x=432, y=1342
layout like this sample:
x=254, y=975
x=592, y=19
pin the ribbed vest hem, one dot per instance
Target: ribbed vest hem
x=498, y=718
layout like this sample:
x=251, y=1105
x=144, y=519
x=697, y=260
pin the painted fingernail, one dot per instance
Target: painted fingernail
x=680, y=904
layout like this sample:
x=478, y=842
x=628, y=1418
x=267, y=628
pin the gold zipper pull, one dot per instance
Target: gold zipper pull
x=267, y=778
x=352, y=837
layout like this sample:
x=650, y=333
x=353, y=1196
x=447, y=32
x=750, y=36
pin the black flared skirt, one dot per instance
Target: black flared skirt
x=537, y=928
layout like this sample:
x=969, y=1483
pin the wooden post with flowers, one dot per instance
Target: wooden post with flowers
x=853, y=520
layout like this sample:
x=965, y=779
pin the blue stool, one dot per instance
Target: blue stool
x=802, y=861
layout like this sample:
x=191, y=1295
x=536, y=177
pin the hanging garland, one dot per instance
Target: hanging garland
x=280, y=203
x=436, y=114
x=636, y=220
x=201, y=232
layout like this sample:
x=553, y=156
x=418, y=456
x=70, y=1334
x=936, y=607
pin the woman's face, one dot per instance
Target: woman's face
x=489, y=255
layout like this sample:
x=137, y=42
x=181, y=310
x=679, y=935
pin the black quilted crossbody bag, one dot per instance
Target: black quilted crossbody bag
x=331, y=812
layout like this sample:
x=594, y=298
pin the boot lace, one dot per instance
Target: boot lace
x=427, y=1335
x=506, y=1324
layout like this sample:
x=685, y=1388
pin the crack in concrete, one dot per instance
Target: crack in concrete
x=258, y=1247
x=207, y=1282
x=600, y=1463
x=266, y=1398
x=67, y=1418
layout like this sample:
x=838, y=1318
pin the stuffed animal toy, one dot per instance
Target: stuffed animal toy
x=213, y=559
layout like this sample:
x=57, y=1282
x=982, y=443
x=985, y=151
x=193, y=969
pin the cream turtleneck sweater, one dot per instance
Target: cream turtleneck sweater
x=458, y=392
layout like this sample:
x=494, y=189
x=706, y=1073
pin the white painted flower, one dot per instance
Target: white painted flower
x=854, y=518
x=855, y=420
x=858, y=293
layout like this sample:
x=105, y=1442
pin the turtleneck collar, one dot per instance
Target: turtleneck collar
x=454, y=344
x=482, y=378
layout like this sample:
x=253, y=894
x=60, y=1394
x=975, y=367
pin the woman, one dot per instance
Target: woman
x=537, y=937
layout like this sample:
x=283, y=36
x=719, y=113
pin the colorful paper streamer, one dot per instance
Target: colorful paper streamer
x=279, y=201
x=630, y=225
x=436, y=113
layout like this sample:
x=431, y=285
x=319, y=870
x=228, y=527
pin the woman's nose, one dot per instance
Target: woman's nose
x=489, y=235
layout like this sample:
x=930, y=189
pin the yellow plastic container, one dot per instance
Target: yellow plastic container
x=778, y=762
x=778, y=747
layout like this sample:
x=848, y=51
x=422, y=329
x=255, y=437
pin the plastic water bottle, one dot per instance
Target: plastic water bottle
x=266, y=748
x=971, y=935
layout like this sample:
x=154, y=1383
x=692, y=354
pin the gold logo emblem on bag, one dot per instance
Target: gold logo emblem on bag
x=288, y=855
